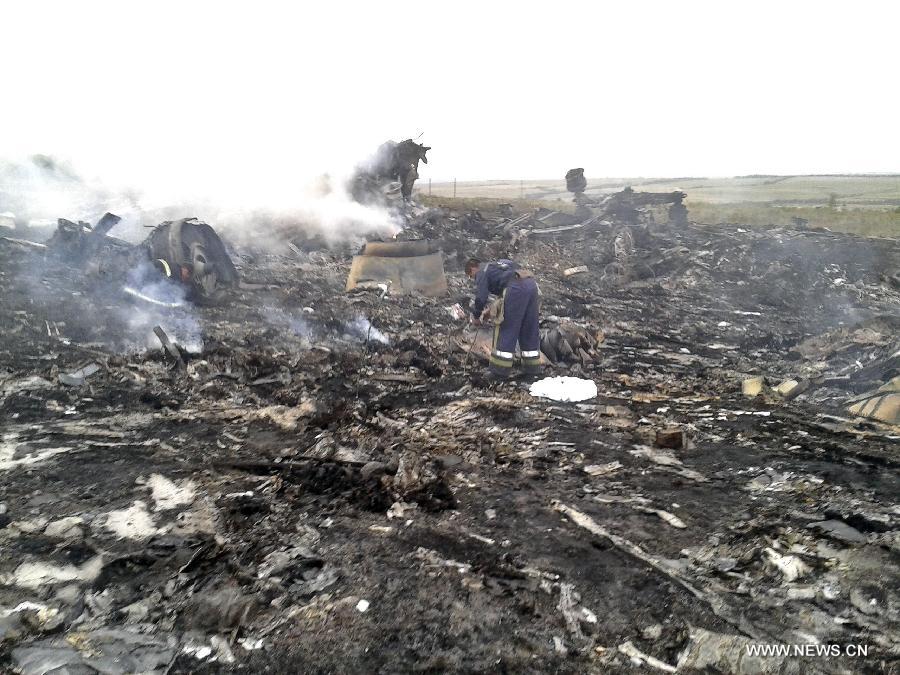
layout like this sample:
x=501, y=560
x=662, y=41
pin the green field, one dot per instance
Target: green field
x=868, y=205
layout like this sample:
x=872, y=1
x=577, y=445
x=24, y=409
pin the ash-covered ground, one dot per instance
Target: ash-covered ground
x=330, y=484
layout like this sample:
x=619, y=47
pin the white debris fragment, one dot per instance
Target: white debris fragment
x=36, y=574
x=588, y=616
x=223, y=649
x=790, y=566
x=670, y=518
x=433, y=559
x=169, y=495
x=29, y=383
x=602, y=469
x=362, y=606
x=199, y=652
x=457, y=312
x=23, y=607
x=249, y=644
x=239, y=495
x=135, y=522
x=29, y=526
x=400, y=509
x=667, y=459
x=639, y=658
x=482, y=539
x=565, y=389
x=65, y=528
x=10, y=447
x=661, y=457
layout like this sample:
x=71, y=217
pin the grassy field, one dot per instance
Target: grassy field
x=868, y=205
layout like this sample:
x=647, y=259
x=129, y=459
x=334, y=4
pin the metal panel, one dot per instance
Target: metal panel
x=422, y=274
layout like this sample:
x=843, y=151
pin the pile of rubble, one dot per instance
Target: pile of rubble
x=313, y=474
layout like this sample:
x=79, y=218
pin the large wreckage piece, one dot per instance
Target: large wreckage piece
x=191, y=252
x=187, y=251
x=403, y=266
x=79, y=241
x=392, y=162
x=626, y=206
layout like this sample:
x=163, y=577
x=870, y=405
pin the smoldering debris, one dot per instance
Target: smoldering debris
x=182, y=259
x=326, y=467
x=392, y=162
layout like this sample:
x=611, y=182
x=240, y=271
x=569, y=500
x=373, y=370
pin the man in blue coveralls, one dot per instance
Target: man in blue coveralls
x=515, y=313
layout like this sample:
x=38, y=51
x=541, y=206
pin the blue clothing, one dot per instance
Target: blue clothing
x=520, y=325
x=492, y=279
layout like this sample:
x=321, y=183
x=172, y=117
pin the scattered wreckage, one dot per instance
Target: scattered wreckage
x=327, y=481
x=626, y=206
x=187, y=252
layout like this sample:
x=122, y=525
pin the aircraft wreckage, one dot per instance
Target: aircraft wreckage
x=326, y=480
x=186, y=252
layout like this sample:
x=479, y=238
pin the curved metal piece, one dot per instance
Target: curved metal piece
x=422, y=274
x=401, y=249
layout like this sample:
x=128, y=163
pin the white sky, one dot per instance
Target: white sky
x=205, y=96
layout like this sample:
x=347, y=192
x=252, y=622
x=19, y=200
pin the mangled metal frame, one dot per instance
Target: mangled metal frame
x=187, y=251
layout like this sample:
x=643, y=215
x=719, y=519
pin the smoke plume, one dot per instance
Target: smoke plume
x=262, y=209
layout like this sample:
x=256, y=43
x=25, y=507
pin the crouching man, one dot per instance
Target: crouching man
x=514, y=313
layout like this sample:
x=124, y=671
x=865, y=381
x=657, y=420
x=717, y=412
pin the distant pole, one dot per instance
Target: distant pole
x=429, y=187
x=522, y=189
x=454, y=187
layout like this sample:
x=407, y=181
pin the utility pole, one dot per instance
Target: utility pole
x=429, y=187
x=521, y=189
x=454, y=188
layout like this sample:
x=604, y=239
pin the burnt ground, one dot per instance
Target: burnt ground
x=302, y=497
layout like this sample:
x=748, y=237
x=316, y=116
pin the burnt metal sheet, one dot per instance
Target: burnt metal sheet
x=423, y=274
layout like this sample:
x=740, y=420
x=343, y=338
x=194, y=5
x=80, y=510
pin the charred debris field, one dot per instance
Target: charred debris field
x=299, y=478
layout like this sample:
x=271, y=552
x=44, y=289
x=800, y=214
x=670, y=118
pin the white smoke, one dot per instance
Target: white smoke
x=246, y=204
x=322, y=208
x=39, y=189
x=363, y=329
x=160, y=302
